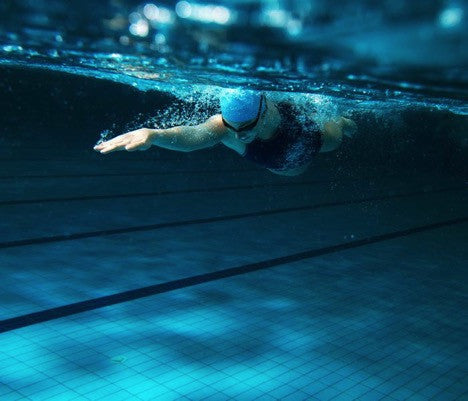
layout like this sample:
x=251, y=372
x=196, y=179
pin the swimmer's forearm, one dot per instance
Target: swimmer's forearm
x=185, y=138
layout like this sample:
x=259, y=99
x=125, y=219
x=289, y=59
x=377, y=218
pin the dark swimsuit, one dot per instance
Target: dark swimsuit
x=293, y=145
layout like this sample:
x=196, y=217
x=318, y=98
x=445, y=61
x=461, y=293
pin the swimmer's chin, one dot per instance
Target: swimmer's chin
x=247, y=140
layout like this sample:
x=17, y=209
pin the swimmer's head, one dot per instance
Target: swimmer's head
x=241, y=109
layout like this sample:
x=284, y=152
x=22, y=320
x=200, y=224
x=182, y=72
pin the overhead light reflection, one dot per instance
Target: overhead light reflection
x=451, y=17
x=165, y=16
x=151, y=11
x=206, y=13
x=134, y=17
x=294, y=27
x=140, y=28
x=276, y=18
x=183, y=9
x=221, y=15
x=159, y=39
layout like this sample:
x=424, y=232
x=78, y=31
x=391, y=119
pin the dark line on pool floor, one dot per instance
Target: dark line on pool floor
x=131, y=295
x=125, y=174
x=149, y=227
x=15, y=202
x=157, y=193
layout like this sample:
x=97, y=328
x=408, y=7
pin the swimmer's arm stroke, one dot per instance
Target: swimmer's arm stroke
x=184, y=138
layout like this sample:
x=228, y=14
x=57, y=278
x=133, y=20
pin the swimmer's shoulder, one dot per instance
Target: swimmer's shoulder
x=216, y=125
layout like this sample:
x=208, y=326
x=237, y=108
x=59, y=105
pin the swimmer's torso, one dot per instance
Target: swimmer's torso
x=286, y=139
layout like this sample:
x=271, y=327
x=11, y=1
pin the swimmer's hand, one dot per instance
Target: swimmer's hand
x=141, y=139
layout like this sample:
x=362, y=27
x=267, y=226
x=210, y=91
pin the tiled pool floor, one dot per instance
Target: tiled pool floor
x=379, y=321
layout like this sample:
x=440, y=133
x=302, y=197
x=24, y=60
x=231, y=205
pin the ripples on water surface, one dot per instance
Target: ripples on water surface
x=359, y=55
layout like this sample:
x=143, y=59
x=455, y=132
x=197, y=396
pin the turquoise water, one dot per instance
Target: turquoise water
x=161, y=275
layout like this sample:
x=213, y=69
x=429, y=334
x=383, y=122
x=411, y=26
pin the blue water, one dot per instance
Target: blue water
x=162, y=275
x=357, y=55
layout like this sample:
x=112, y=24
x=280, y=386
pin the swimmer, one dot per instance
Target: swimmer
x=273, y=135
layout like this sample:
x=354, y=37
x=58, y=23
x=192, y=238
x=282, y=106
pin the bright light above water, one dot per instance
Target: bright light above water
x=277, y=18
x=294, y=27
x=159, y=39
x=134, y=17
x=221, y=15
x=140, y=28
x=151, y=11
x=165, y=16
x=183, y=9
x=203, y=13
x=451, y=17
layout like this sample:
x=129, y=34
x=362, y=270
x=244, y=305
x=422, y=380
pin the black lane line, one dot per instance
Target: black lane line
x=149, y=227
x=14, y=202
x=130, y=174
x=157, y=193
x=108, y=300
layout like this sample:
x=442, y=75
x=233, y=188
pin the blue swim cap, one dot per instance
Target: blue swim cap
x=238, y=106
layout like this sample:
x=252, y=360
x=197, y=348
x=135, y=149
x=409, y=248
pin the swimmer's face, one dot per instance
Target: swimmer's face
x=243, y=134
x=246, y=136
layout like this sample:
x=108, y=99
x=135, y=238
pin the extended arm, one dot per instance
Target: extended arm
x=188, y=138
x=181, y=138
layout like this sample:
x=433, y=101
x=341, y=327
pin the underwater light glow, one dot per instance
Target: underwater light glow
x=151, y=11
x=134, y=17
x=204, y=13
x=275, y=18
x=140, y=28
x=159, y=39
x=124, y=40
x=165, y=16
x=451, y=17
x=294, y=27
x=183, y=9
x=221, y=15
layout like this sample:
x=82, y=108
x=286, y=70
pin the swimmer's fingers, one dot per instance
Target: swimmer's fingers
x=134, y=140
x=117, y=143
x=118, y=140
x=99, y=146
x=111, y=148
x=106, y=145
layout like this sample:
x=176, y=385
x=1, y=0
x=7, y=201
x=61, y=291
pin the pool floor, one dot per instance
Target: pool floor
x=228, y=283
